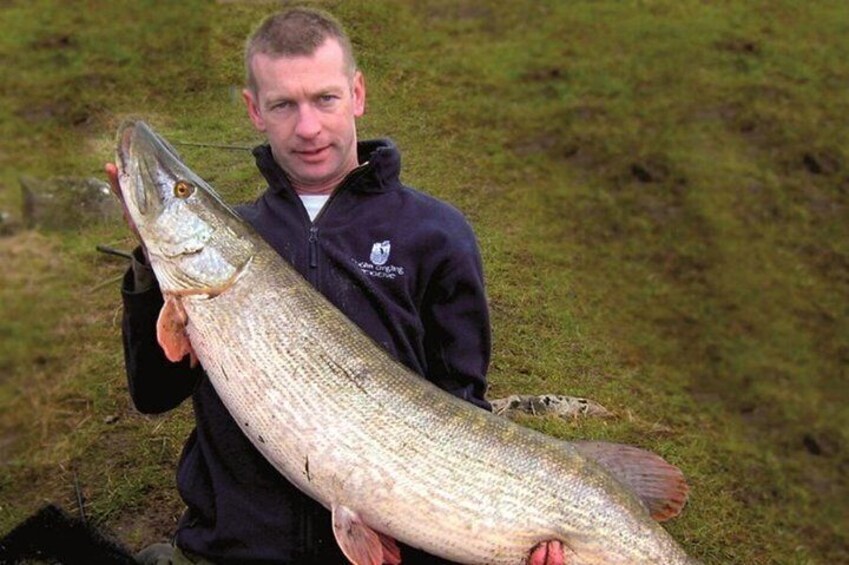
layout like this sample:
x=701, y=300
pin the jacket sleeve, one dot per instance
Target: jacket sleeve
x=456, y=320
x=156, y=384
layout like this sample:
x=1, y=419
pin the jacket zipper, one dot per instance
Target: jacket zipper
x=313, y=247
x=313, y=238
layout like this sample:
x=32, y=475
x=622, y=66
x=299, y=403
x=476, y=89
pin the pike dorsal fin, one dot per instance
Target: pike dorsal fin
x=658, y=484
x=361, y=544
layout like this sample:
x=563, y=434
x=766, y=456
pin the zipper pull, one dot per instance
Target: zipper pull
x=313, y=247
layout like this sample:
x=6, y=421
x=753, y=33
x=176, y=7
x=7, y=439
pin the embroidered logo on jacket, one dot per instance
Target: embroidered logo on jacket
x=377, y=266
x=380, y=252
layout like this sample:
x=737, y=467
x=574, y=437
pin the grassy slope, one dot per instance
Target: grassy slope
x=658, y=189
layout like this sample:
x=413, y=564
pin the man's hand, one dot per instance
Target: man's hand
x=112, y=174
x=547, y=553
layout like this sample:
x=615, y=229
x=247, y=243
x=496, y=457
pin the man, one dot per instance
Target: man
x=403, y=266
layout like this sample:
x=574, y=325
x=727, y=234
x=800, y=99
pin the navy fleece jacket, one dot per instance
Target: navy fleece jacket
x=402, y=265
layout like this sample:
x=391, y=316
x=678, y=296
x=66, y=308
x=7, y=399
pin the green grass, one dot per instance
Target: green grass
x=660, y=192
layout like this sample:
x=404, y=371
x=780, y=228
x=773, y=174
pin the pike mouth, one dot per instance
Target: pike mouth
x=124, y=144
x=124, y=158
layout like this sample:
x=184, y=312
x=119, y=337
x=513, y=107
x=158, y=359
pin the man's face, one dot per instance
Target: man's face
x=307, y=106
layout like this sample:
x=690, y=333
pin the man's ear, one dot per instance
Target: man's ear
x=359, y=94
x=253, y=109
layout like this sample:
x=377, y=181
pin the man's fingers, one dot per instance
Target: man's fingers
x=112, y=174
x=547, y=553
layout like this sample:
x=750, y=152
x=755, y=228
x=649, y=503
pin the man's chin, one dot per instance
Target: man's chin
x=306, y=172
x=313, y=181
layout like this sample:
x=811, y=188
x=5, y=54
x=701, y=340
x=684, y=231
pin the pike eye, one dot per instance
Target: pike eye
x=183, y=189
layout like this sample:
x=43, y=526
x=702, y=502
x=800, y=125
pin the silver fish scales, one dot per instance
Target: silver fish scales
x=345, y=422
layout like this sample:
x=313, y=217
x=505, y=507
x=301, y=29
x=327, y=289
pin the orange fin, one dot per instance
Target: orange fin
x=361, y=544
x=660, y=485
x=391, y=551
x=171, y=331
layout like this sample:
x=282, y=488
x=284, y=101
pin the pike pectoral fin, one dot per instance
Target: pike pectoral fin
x=361, y=544
x=660, y=485
x=171, y=331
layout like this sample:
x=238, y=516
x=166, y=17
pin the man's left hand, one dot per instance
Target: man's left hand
x=547, y=553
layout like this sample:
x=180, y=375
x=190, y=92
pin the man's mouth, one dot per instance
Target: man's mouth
x=311, y=153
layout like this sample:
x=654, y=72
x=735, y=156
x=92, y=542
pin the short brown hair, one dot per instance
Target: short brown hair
x=296, y=32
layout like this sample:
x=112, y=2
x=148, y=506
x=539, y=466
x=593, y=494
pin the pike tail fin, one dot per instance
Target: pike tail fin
x=658, y=484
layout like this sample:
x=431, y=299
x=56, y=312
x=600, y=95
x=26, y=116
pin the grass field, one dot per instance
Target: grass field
x=660, y=190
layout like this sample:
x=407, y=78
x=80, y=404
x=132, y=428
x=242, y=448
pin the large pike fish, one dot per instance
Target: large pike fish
x=389, y=453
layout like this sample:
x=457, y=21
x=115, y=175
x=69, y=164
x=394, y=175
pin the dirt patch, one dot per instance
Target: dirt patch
x=546, y=74
x=739, y=46
x=63, y=111
x=9, y=438
x=25, y=249
x=155, y=522
x=53, y=41
x=828, y=263
x=823, y=162
x=651, y=170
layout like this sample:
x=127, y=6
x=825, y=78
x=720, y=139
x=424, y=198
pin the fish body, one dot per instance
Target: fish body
x=346, y=423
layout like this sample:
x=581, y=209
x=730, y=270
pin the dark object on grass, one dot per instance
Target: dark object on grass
x=113, y=251
x=52, y=536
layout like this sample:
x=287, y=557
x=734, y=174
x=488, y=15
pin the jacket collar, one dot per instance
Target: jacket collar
x=379, y=171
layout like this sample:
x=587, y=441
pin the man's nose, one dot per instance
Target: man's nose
x=308, y=125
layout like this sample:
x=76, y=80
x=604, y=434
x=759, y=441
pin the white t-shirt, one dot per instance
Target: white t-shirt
x=314, y=203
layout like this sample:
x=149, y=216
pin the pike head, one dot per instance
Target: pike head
x=196, y=244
